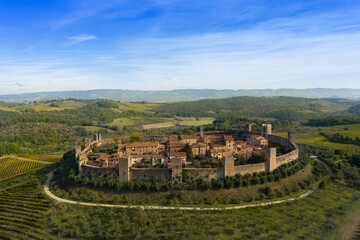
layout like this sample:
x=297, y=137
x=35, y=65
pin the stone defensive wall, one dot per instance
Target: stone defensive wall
x=125, y=173
x=142, y=174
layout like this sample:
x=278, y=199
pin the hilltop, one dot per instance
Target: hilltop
x=164, y=96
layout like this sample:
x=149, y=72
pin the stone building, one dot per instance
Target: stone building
x=142, y=147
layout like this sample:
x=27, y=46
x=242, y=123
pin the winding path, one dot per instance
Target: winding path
x=303, y=195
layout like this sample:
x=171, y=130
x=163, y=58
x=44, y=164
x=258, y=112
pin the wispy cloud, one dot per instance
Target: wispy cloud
x=78, y=39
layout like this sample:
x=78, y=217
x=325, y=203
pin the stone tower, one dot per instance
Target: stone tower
x=124, y=169
x=228, y=166
x=270, y=159
x=248, y=127
x=96, y=137
x=265, y=130
x=176, y=170
x=201, y=132
x=291, y=138
x=77, y=152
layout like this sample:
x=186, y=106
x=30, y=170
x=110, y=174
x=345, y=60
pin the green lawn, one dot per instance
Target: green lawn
x=192, y=121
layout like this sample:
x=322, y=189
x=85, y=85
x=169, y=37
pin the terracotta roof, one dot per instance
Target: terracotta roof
x=143, y=144
x=217, y=151
x=121, y=146
x=218, y=145
x=198, y=145
x=177, y=154
x=158, y=156
x=188, y=137
x=104, y=157
x=173, y=137
x=118, y=154
x=177, y=144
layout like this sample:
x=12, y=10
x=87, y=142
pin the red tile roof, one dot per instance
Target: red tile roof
x=143, y=144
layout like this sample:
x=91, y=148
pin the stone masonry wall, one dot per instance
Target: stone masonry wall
x=249, y=168
x=205, y=173
x=99, y=172
x=141, y=174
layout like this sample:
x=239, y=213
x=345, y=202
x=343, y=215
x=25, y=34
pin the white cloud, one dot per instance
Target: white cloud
x=78, y=39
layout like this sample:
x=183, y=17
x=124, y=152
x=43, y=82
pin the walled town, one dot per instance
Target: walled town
x=166, y=157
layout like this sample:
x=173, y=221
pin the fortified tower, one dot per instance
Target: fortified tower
x=176, y=170
x=201, y=132
x=97, y=137
x=270, y=159
x=248, y=127
x=291, y=138
x=265, y=130
x=77, y=151
x=228, y=166
x=124, y=169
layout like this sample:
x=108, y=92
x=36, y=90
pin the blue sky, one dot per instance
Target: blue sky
x=48, y=45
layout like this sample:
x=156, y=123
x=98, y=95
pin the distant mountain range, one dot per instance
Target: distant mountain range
x=163, y=96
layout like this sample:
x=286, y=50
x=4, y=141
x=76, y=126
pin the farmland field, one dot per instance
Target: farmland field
x=22, y=209
x=192, y=121
x=312, y=135
x=13, y=166
x=121, y=122
x=41, y=157
x=52, y=106
x=147, y=107
x=158, y=125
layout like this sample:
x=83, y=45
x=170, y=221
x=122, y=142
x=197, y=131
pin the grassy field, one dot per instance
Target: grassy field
x=315, y=217
x=2, y=108
x=147, y=107
x=122, y=122
x=192, y=121
x=184, y=197
x=312, y=135
x=60, y=105
x=158, y=125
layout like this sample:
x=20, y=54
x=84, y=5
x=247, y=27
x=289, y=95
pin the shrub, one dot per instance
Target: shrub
x=271, y=195
x=255, y=180
x=246, y=183
x=229, y=183
x=261, y=196
x=267, y=190
x=295, y=188
x=322, y=185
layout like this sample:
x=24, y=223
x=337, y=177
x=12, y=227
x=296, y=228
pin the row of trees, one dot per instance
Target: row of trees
x=333, y=121
x=339, y=138
x=345, y=166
